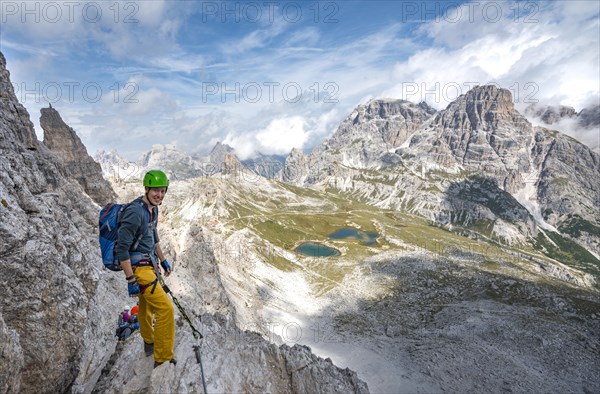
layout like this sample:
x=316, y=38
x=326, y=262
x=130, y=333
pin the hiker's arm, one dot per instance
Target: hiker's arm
x=159, y=253
x=126, y=265
x=130, y=222
x=163, y=261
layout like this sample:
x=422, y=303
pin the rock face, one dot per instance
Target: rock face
x=12, y=359
x=54, y=318
x=363, y=140
x=59, y=305
x=64, y=142
x=222, y=159
x=15, y=116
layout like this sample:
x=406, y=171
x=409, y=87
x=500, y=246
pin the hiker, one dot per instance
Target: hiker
x=142, y=270
x=125, y=325
x=134, y=309
x=124, y=316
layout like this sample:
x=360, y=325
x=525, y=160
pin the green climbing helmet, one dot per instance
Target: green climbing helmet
x=156, y=178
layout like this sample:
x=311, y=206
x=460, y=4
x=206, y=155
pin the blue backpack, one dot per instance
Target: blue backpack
x=109, y=222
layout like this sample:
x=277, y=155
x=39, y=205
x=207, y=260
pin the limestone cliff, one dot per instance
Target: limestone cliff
x=79, y=166
x=58, y=303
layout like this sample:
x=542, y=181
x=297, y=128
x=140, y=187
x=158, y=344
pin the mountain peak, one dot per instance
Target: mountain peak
x=221, y=148
x=490, y=97
x=15, y=113
x=481, y=108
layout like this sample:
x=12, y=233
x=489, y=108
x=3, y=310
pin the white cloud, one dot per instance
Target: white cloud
x=256, y=39
x=304, y=38
x=149, y=101
x=282, y=134
x=278, y=137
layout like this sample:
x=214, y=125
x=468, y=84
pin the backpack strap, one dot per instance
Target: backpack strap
x=144, y=227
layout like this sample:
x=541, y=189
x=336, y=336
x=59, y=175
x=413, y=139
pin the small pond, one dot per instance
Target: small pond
x=367, y=238
x=314, y=249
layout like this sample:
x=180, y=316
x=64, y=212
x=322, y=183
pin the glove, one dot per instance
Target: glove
x=166, y=267
x=133, y=288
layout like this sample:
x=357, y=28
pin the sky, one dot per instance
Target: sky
x=269, y=76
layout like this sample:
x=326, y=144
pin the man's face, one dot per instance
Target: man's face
x=156, y=194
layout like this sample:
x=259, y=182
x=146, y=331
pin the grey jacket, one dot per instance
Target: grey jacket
x=132, y=223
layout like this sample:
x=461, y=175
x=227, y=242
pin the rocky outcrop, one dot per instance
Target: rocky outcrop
x=372, y=129
x=232, y=361
x=385, y=122
x=365, y=139
x=64, y=143
x=116, y=168
x=11, y=356
x=567, y=188
x=296, y=167
x=218, y=152
x=481, y=132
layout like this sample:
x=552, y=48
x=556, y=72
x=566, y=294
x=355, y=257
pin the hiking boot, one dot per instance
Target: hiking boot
x=172, y=361
x=148, y=349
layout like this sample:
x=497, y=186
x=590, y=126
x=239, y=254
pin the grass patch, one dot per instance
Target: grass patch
x=280, y=262
x=560, y=181
x=575, y=224
x=566, y=251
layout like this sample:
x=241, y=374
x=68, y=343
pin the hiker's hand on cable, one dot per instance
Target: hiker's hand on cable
x=165, y=265
x=133, y=288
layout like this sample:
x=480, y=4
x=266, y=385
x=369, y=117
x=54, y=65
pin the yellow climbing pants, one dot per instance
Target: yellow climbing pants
x=157, y=305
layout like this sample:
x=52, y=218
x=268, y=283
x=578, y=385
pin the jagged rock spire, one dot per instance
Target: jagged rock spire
x=79, y=165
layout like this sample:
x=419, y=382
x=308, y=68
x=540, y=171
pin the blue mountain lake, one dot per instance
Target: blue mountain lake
x=366, y=237
x=313, y=249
